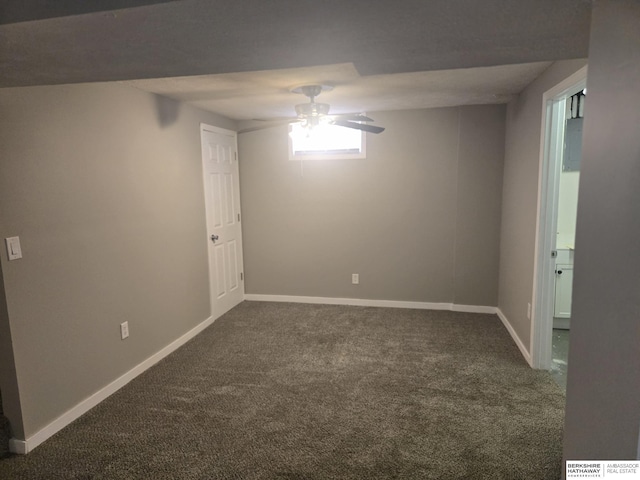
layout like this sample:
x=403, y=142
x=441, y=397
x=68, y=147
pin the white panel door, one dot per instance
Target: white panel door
x=224, y=233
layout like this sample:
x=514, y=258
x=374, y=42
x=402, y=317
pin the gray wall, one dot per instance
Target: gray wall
x=520, y=196
x=419, y=219
x=103, y=184
x=602, y=416
x=8, y=379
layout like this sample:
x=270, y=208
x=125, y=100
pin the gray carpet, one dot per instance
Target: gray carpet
x=290, y=391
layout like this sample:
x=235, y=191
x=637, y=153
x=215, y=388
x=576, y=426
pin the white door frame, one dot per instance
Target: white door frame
x=222, y=131
x=551, y=147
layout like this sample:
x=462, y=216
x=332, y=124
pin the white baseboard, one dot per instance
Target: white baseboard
x=472, y=308
x=17, y=446
x=364, y=302
x=25, y=446
x=523, y=350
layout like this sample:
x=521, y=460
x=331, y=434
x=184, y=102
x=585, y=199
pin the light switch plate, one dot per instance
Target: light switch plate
x=124, y=330
x=14, y=251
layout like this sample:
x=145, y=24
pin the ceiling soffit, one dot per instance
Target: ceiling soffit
x=267, y=95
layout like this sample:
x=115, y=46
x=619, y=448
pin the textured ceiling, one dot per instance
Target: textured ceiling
x=201, y=37
x=245, y=54
x=266, y=94
x=26, y=10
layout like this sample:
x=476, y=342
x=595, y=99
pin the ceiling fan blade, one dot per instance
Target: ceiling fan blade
x=266, y=125
x=355, y=117
x=358, y=126
x=272, y=119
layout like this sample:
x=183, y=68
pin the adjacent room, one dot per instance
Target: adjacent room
x=186, y=292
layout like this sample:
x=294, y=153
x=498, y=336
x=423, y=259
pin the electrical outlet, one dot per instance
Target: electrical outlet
x=529, y=311
x=355, y=278
x=124, y=330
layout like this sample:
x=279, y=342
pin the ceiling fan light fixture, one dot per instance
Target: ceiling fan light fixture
x=304, y=110
x=311, y=115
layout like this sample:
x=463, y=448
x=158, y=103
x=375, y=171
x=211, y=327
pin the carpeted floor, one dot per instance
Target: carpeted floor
x=292, y=391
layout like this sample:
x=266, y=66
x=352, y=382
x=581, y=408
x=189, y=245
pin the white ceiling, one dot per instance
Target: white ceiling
x=266, y=94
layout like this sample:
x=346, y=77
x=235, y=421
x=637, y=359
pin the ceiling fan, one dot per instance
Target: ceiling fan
x=312, y=114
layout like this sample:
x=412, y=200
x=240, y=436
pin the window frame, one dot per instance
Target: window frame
x=335, y=154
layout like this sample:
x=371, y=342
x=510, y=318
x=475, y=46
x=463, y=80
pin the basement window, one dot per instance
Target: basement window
x=325, y=142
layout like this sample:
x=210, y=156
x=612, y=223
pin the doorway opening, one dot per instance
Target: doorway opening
x=561, y=140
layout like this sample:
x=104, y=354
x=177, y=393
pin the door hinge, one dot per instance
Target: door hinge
x=241, y=276
x=235, y=154
x=554, y=253
x=238, y=217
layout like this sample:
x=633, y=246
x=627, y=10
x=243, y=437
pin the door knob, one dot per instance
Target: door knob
x=214, y=238
x=559, y=272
